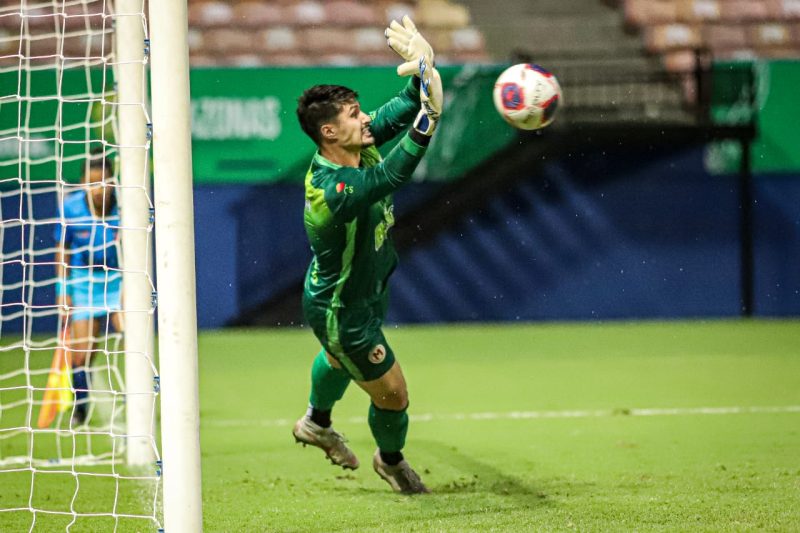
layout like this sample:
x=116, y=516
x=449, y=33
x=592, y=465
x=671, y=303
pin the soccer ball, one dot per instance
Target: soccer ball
x=527, y=96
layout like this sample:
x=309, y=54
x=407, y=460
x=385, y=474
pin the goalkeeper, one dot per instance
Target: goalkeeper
x=88, y=273
x=348, y=214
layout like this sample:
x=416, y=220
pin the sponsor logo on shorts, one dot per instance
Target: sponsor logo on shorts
x=377, y=355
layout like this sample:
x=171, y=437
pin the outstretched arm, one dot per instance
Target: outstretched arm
x=354, y=189
x=396, y=115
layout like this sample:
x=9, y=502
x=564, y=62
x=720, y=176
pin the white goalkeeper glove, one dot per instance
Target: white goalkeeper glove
x=409, y=44
x=431, y=97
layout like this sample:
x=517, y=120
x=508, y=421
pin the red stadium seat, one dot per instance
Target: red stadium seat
x=339, y=60
x=351, y=13
x=442, y=14
x=210, y=14
x=369, y=40
x=769, y=35
x=672, y=36
x=279, y=39
x=322, y=40
x=744, y=10
x=196, y=40
x=280, y=59
x=650, y=12
x=308, y=13
x=396, y=10
x=725, y=37
x=468, y=40
x=258, y=14
x=680, y=62
x=698, y=10
x=228, y=41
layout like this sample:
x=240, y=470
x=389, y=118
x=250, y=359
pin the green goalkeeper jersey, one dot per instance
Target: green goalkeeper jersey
x=349, y=212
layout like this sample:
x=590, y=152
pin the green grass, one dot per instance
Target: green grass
x=615, y=472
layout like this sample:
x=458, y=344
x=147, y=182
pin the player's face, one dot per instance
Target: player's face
x=353, y=127
x=100, y=195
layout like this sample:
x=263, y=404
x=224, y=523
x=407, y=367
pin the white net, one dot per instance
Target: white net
x=64, y=453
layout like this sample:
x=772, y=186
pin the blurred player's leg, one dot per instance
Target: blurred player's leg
x=80, y=343
x=328, y=384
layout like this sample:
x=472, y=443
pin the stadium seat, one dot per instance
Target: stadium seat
x=283, y=59
x=719, y=37
x=308, y=13
x=325, y=39
x=786, y=9
x=369, y=40
x=441, y=14
x=279, y=39
x=258, y=14
x=196, y=40
x=467, y=40
x=692, y=11
x=744, y=10
x=210, y=14
x=396, y=10
x=228, y=41
x=351, y=13
x=672, y=36
x=340, y=60
x=648, y=12
x=77, y=19
x=680, y=62
x=769, y=35
x=303, y=32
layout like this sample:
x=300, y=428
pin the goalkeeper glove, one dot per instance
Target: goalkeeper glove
x=431, y=97
x=409, y=44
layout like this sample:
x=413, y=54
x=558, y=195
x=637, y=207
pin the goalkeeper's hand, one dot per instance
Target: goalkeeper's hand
x=431, y=97
x=409, y=44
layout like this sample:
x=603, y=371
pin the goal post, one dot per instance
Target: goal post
x=134, y=198
x=175, y=267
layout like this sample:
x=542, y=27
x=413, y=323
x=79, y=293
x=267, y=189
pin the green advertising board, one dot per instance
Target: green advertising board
x=244, y=127
x=245, y=130
x=771, y=101
x=50, y=119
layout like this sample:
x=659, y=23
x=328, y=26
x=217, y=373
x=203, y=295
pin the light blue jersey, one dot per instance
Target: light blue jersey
x=93, y=279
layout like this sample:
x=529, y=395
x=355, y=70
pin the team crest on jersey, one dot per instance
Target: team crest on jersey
x=342, y=187
x=377, y=355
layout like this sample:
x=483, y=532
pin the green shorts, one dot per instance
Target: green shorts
x=353, y=336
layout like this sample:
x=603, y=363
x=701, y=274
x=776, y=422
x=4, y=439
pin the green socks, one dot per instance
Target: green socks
x=327, y=383
x=327, y=387
x=389, y=428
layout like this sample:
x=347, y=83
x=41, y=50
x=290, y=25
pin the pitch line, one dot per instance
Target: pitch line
x=532, y=415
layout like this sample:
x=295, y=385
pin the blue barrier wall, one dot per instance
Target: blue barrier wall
x=607, y=236
x=598, y=236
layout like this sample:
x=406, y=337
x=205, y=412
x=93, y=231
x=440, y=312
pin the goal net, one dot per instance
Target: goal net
x=77, y=368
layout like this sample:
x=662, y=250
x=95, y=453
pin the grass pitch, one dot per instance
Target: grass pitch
x=688, y=426
x=578, y=455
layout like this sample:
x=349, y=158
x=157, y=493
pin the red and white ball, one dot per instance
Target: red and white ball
x=527, y=96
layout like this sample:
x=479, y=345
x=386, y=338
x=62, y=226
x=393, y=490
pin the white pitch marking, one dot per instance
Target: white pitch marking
x=529, y=415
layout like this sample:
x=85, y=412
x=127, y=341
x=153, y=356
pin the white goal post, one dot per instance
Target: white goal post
x=177, y=316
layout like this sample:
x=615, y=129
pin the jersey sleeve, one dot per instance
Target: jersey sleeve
x=350, y=191
x=397, y=114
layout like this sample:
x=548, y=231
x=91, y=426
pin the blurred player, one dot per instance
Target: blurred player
x=348, y=214
x=87, y=268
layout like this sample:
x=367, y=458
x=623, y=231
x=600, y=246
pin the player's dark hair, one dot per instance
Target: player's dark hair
x=321, y=104
x=99, y=162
